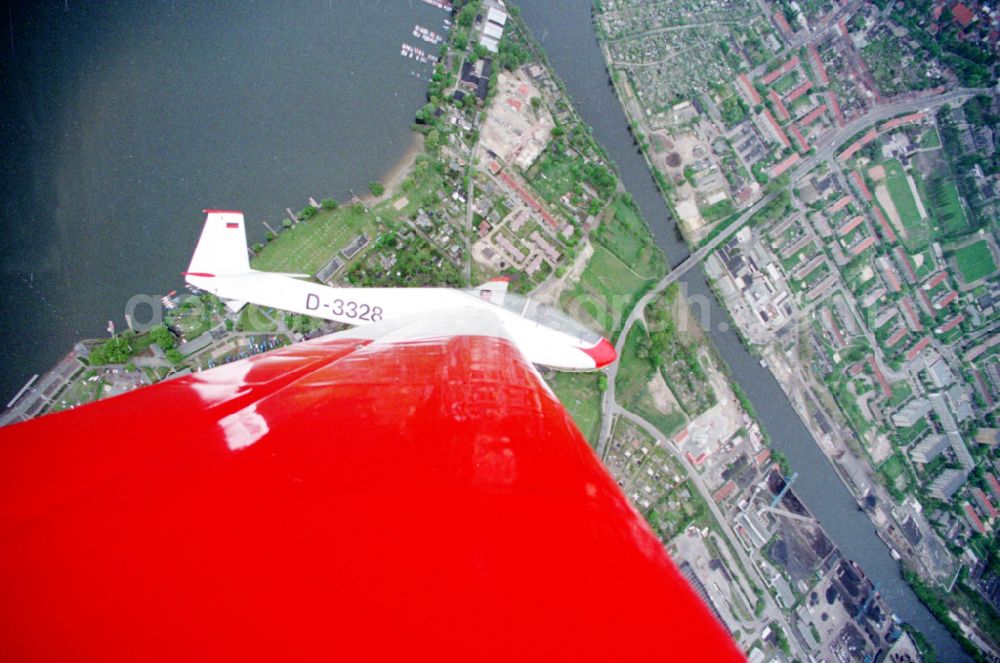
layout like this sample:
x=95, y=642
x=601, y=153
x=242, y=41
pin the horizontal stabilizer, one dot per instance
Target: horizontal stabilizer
x=234, y=305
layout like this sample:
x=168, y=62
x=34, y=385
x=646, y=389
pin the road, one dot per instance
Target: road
x=772, y=613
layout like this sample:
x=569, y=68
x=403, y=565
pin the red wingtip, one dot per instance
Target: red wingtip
x=205, y=274
x=603, y=353
x=500, y=279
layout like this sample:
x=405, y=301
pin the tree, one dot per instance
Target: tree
x=377, y=188
x=759, y=174
x=536, y=103
x=433, y=140
x=162, y=337
x=468, y=14
x=780, y=639
x=689, y=174
x=113, y=351
x=329, y=204
x=426, y=114
x=174, y=355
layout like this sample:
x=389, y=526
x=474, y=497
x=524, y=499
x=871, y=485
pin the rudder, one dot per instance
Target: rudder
x=222, y=248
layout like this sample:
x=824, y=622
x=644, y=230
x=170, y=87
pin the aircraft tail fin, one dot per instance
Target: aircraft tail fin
x=498, y=284
x=222, y=248
x=494, y=290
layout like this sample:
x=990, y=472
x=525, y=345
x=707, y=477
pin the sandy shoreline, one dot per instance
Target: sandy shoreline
x=394, y=176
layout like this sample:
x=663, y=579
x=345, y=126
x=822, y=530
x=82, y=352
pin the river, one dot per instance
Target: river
x=124, y=119
x=565, y=30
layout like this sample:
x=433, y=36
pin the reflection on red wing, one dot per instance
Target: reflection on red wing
x=335, y=499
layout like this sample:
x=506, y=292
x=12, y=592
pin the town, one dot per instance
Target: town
x=836, y=164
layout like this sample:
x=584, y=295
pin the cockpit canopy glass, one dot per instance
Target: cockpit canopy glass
x=543, y=314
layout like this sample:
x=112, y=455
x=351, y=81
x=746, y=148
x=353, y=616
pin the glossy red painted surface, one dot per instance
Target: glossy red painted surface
x=603, y=353
x=333, y=500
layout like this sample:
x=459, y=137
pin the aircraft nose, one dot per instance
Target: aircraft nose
x=603, y=353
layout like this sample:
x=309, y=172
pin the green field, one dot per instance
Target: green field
x=926, y=266
x=554, y=176
x=902, y=198
x=581, y=395
x=904, y=436
x=945, y=208
x=975, y=261
x=786, y=82
x=607, y=291
x=803, y=255
x=901, y=391
x=853, y=274
x=814, y=277
x=79, y=392
x=256, y=319
x=625, y=234
x=930, y=139
x=625, y=263
x=634, y=374
x=633, y=370
x=308, y=245
x=194, y=316
x=894, y=471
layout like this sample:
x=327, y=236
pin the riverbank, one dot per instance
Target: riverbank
x=569, y=39
x=45, y=394
x=393, y=178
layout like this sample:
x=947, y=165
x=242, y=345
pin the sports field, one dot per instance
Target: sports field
x=975, y=261
x=941, y=195
x=902, y=198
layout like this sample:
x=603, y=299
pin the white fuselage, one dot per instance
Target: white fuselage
x=540, y=344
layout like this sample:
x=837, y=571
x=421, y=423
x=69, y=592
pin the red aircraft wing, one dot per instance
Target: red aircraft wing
x=340, y=498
